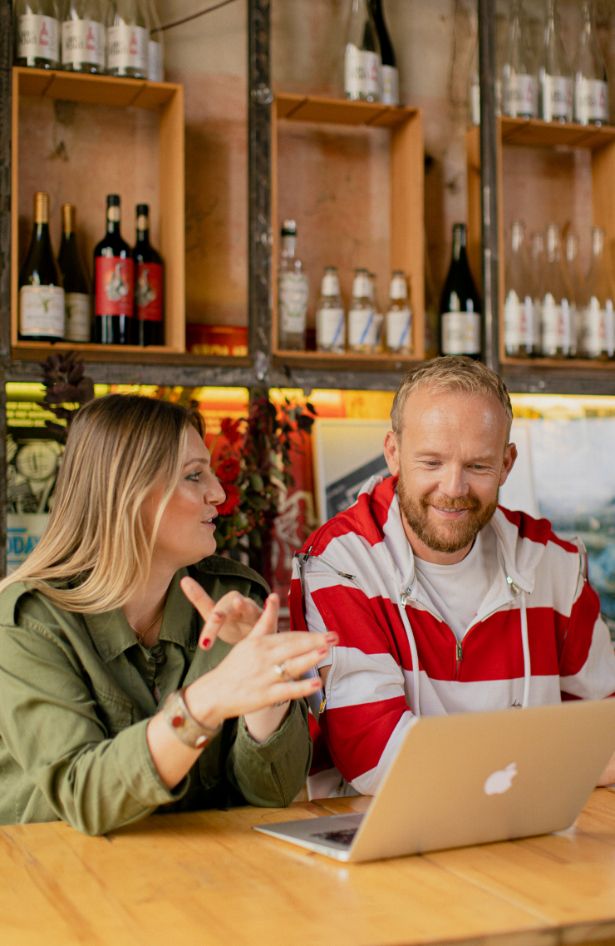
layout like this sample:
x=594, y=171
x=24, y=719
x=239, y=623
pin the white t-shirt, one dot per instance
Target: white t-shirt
x=456, y=592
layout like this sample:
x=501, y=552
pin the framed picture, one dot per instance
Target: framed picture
x=347, y=452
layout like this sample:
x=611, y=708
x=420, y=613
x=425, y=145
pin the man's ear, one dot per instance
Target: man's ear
x=510, y=455
x=391, y=452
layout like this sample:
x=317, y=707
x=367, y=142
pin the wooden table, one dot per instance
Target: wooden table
x=206, y=878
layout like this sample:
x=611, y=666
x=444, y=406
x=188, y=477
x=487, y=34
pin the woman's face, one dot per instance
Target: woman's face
x=186, y=531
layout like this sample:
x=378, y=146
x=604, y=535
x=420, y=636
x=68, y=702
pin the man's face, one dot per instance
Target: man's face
x=451, y=457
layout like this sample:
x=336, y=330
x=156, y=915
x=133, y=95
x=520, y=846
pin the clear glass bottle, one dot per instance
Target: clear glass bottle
x=519, y=85
x=389, y=74
x=37, y=33
x=330, y=315
x=574, y=280
x=77, y=296
x=557, y=326
x=460, y=321
x=398, y=318
x=378, y=314
x=597, y=303
x=361, y=314
x=362, y=57
x=84, y=36
x=519, y=328
x=293, y=291
x=128, y=39
x=155, y=49
x=555, y=76
x=536, y=278
x=591, y=93
x=41, y=296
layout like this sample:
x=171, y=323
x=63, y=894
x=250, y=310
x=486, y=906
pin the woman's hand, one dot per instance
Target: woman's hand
x=262, y=670
x=231, y=618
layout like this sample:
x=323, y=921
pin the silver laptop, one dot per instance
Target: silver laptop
x=470, y=778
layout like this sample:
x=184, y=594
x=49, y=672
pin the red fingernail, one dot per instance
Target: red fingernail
x=332, y=638
x=323, y=651
x=206, y=642
x=315, y=683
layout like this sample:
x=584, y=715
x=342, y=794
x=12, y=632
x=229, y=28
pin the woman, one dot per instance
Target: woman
x=111, y=703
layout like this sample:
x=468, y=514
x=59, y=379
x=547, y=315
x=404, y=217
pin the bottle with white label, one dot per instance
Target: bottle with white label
x=519, y=317
x=155, y=57
x=77, y=298
x=293, y=291
x=558, y=332
x=84, y=36
x=574, y=280
x=378, y=314
x=597, y=304
x=361, y=314
x=362, y=57
x=460, y=322
x=41, y=296
x=128, y=39
x=536, y=277
x=37, y=33
x=519, y=85
x=330, y=315
x=591, y=93
x=555, y=76
x=389, y=75
x=398, y=318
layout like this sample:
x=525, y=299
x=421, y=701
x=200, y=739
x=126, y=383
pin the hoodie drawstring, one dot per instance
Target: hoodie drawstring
x=525, y=643
x=416, y=676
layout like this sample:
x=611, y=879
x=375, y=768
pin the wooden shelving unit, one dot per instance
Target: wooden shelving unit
x=350, y=151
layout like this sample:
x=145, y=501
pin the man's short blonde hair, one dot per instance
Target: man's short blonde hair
x=450, y=373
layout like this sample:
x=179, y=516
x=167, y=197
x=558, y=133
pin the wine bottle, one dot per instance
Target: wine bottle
x=84, y=36
x=293, y=291
x=389, y=73
x=398, y=319
x=361, y=315
x=155, y=49
x=41, y=297
x=330, y=317
x=114, y=283
x=149, y=275
x=37, y=40
x=128, y=39
x=77, y=299
x=597, y=304
x=557, y=324
x=519, y=74
x=591, y=94
x=460, y=322
x=362, y=61
x=519, y=315
x=554, y=75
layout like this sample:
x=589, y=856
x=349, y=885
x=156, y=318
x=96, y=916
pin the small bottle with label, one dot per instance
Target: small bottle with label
x=76, y=288
x=84, y=36
x=554, y=74
x=519, y=86
x=591, y=91
x=361, y=315
x=519, y=328
x=574, y=280
x=557, y=320
x=378, y=314
x=597, y=304
x=41, y=296
x=128, y=39
x=37, y=33
x=293, y=291
x=149, y=288
x=362, y=58
x=398, y=319
x=330, y=316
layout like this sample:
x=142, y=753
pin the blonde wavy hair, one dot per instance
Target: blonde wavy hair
x=95, y=551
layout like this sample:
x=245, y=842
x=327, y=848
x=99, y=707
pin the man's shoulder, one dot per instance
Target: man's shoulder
x=532, y=529
x=365, y=518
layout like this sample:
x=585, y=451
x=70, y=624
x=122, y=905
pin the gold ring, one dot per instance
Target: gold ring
x=280, y=669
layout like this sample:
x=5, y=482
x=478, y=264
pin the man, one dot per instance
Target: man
x=443, y=601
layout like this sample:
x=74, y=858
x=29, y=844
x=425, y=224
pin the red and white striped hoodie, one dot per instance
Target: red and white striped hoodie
x=538, y=636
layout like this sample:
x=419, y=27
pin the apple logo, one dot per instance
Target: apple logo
x=501, y=780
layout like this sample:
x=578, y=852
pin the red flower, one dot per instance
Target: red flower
x=231, y=501
x=230, y=429
x=227, y=470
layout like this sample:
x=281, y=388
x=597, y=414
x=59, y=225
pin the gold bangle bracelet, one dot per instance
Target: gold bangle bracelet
x=185, y=727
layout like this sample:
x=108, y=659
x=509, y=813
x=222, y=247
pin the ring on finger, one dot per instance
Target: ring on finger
x=281, y=671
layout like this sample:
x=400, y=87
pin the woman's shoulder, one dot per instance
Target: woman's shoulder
x=20, y=599
x=225, y=574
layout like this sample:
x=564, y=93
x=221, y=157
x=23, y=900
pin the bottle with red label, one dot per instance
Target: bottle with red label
x=114, y=284
x=149, y=289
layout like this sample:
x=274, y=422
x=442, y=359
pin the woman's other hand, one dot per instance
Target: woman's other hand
x=231, y=618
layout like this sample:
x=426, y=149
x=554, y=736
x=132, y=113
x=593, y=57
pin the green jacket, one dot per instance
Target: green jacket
x=75, y=698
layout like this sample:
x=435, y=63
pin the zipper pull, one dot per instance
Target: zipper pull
x=459, y=654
